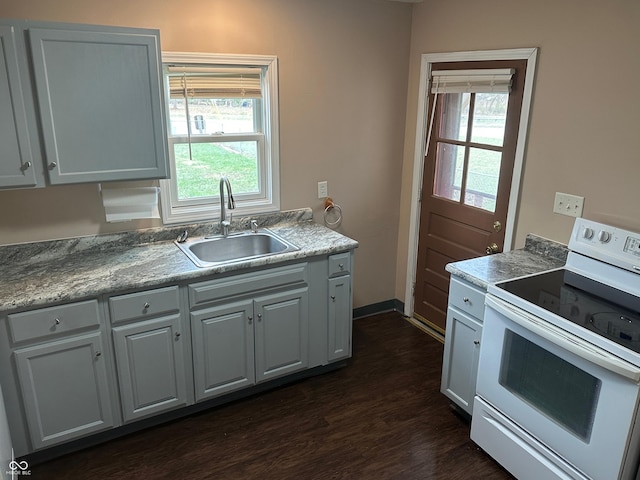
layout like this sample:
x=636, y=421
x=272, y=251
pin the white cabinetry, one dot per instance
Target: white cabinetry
x=462, y=343
x=99, y=102
x=253, y=327
x=340, y=306
x=62, y=372
x=18, y=137
x=68, y=371
x=149, y=351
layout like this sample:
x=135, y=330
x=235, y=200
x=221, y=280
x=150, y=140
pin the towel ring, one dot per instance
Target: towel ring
x=329, y=205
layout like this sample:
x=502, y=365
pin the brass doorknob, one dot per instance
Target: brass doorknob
x=493, y=248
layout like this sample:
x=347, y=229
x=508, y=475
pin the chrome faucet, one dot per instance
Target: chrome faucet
x=224, y=223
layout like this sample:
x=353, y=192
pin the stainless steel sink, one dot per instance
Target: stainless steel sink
x=221, y=250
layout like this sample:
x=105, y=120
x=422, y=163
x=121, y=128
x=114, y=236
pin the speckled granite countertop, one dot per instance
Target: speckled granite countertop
x=59, y=271
x=539, y=254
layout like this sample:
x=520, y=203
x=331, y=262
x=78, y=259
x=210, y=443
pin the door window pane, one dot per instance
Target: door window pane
x=482, y=179
x=489, y=118
x=553, y=386
x=455, y=116
x=449, y=168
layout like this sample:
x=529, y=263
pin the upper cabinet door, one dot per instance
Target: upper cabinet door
x=17, y=162
x=100, y=99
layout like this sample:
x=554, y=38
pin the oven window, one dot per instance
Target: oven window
x=555, y=387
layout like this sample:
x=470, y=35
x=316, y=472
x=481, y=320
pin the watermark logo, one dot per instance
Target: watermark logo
x=17, y=467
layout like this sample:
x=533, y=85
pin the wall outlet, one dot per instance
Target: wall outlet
x=566, y=204
x=323, y=189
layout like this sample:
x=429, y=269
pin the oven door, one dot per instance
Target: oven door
x=573, y=397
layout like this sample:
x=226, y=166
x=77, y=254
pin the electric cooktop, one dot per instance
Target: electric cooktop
x=603, y=309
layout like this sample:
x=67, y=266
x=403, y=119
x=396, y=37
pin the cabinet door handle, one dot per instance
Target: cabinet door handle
x=98, y=354
x=250, y=320
x=26, y=166
x=332, y=297
x=259, y=317
x=476, y=342
x=52, y=165
x=178, y=334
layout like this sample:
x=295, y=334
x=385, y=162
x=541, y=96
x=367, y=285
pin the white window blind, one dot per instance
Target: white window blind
x=472, y=81
x=208, y=82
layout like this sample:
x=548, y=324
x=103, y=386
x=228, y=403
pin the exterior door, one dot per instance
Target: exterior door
x=466, y=184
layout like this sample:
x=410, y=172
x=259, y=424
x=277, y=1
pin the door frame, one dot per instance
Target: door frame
x=426, y=60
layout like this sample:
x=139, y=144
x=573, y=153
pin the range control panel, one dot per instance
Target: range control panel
x=606, y=243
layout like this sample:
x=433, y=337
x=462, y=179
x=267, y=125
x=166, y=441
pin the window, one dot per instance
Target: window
x=222, y=119
x=470, y=138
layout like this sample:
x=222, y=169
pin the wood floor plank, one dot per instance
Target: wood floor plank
x=381, y=417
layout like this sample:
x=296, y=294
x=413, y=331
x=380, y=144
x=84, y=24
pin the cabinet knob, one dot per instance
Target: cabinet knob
x=26, y=166
x=178, y=334
x=98, y=354
x=259, y=317
x=476, y=342
x=57, y=321
x=52, y=165
x=146, y=305
x=465, y=299
x=341, y=266
x=250, y=320
x=333, y=297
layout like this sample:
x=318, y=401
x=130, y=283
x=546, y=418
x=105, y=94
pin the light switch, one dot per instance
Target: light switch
x=566, y=204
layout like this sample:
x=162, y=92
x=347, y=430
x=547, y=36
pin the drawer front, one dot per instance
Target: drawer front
x=339, y=264
x=51, y=321
x=246, y=283
x=466, y=297
x=150, y=303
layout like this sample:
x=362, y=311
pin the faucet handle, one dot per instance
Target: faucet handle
x=254, y=226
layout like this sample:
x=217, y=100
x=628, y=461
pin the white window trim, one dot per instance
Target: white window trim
x=173, y=213
x=426, y=61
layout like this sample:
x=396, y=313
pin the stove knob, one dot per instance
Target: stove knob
x=604, y=236
x=588, y=233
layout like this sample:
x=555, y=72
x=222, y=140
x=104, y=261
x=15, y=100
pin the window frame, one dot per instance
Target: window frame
x=175, y=210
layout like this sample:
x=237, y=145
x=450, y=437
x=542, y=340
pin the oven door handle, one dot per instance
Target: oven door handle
x=564, y=340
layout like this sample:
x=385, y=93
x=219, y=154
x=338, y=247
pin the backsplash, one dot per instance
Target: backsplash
x=51, y=249
x=545, y=247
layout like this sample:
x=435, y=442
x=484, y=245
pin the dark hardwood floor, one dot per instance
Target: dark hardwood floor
x=381, y=417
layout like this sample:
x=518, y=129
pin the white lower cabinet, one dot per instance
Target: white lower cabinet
x=222, y=340
x=340, y=307
x=462, y=343
x=150, y=364
x=63, y=378
x=257, y=337
x=148, y=344
x=281, y=333
x=70, y=371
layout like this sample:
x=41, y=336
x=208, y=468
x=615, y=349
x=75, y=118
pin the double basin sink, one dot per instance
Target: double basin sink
x=237, y=247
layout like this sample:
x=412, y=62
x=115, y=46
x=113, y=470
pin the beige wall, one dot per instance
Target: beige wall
x=585, y=120
x=344, y=70
x=343, y=83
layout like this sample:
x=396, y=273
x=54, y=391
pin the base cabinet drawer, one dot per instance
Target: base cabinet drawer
x=65, y=389
x=54, y=321
x=150, y=363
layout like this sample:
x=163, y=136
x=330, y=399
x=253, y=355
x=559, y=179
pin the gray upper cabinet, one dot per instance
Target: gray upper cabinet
x=98, y=96
x=17, y=158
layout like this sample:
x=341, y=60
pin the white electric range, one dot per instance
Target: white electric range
x=558, y=385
